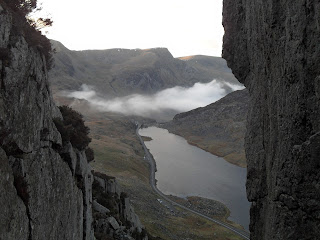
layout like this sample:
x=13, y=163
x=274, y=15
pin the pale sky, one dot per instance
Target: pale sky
x=185, y=27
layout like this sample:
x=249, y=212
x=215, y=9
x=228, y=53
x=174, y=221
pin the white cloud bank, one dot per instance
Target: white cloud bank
x=162, y=105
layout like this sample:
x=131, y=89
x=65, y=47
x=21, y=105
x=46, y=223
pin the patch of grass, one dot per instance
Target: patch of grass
x=146, y=139
x=220, y=149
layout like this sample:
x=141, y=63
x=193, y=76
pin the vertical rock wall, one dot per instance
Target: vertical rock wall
x=272, y=46
x=42, y=196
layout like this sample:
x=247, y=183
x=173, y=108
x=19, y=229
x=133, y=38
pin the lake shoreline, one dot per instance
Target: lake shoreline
x=209, y=196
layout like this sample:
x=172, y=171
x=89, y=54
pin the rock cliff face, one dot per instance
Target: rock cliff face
x=272, y=47
x=43, y=197
x=45, y=183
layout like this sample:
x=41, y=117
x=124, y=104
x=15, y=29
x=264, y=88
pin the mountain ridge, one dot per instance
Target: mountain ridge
x=120, y=72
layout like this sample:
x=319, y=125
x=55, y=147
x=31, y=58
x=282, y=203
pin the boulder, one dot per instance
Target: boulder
x=99, y=208
x=113, y=223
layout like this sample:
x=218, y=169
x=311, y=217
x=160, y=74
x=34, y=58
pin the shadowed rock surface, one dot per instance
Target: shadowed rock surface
x=218, y=128
x=273, y=48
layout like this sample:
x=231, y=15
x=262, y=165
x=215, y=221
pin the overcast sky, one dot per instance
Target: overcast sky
x=185, y=27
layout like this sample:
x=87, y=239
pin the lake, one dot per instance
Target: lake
x=185, y=170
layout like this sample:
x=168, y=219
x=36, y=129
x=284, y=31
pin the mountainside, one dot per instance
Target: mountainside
x=273, y=49
x=218, y=128
x=208, y=67
x=119, y=72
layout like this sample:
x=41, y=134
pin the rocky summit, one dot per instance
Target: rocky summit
x=272, y=48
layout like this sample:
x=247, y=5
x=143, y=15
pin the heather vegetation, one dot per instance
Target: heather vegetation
x=73, y=129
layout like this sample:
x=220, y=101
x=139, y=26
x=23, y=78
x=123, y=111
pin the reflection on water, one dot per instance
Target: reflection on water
x=184, y=170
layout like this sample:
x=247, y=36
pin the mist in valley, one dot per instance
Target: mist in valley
x=161, y=106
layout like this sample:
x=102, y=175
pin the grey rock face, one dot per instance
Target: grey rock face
x=45, y=196
x=13, y=214
x=272, y=47
x=109, y=184
x=128, y=214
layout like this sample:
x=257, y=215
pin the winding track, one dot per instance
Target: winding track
x=150, y=159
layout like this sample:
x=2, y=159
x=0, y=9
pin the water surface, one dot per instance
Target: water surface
x=185, y=170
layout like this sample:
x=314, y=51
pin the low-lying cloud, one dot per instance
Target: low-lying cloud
x=160, y=106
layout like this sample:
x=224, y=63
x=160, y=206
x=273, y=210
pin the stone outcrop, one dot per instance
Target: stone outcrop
x=114, y=215
x=42, y=195
x=272, y=47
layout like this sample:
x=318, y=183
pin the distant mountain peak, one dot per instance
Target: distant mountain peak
x=161, y=52
x=120, y=72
